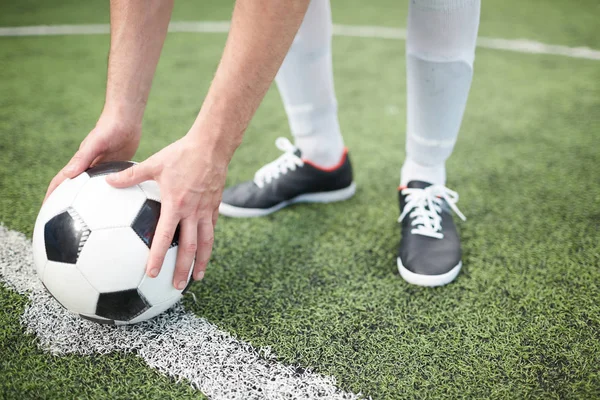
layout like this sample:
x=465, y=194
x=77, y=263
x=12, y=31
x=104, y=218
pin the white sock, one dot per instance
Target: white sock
x=440, y=50
x=305, y=82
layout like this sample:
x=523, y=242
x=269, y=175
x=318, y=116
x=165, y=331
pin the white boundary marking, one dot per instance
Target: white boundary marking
x=378, y=32
x=176, y=343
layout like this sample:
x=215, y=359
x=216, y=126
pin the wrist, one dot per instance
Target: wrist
x=130, y=115
x=124, y=117
x=216, y=144
x=217, y=131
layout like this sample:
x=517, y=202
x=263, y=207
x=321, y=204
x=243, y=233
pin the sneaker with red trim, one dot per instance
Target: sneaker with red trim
x=429, y=253
x=288, y=180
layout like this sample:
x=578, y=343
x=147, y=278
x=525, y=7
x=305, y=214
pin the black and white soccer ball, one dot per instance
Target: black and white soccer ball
x=91, y=243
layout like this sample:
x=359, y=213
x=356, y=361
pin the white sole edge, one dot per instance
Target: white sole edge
x=428, y=280
x=322, y=197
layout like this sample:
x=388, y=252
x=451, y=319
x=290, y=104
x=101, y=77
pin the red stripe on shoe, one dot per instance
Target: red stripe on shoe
x=332, y=168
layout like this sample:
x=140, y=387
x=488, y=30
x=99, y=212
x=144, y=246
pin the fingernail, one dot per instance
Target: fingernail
x=153, y=273
x=69, y=168
x=199, y=276
x=181, y=285
x=112, y=177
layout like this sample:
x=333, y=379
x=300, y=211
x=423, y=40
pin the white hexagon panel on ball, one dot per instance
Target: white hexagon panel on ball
x=68, y=286
x=113, y=259
x=160, y=289
x=103, y=206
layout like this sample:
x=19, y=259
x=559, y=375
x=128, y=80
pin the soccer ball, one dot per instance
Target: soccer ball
x=90, y=247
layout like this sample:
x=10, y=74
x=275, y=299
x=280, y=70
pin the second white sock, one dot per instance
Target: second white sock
x=440, y=50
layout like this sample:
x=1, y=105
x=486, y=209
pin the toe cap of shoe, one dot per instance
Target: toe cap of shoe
x=428, y=256
x=248, y=195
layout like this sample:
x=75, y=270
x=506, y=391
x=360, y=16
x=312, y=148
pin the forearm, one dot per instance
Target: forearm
x=261, y=34
x=138, y=29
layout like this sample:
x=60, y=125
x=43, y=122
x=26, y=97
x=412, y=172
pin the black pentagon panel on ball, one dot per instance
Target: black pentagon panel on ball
x=64, y=237
x=124, y=305
x=98, y=320
x=144, y=224
x=108, y=168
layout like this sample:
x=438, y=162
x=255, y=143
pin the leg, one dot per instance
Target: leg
x=317, y=168
x=439, y=60
x=305, y=82
x=439, y=55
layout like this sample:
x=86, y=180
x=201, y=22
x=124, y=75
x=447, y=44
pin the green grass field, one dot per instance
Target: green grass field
x=318, y=283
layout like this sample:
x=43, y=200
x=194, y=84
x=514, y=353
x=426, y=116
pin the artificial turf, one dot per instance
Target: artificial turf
x=318, y=283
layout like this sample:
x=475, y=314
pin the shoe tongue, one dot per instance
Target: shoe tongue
x=418, y=185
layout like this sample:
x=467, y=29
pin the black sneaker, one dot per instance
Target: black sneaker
x=288, y=180
x=429, y=252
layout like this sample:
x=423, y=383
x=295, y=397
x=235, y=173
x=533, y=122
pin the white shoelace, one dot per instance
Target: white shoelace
x=288, y=161
x=425, y=206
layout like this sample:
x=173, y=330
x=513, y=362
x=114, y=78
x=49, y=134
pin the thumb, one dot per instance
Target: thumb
x=80, y=162
x=138, y=173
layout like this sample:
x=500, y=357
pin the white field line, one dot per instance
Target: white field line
x=378, y=32
x=176, y=343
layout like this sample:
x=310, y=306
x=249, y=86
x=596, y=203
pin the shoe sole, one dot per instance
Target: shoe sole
x=321, y=197
x=428, y=280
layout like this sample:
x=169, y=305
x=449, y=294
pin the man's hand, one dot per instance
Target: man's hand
x=137, y=32
x=191, y=179
x=190, y=172
x=110, y=140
